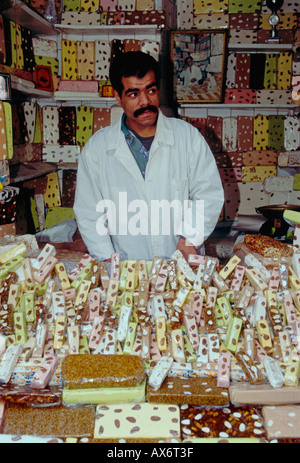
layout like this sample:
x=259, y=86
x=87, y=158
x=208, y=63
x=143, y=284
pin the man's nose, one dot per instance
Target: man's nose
x=144, y=98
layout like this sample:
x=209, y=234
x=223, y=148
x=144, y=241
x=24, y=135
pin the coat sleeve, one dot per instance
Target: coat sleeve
x=87, y=197
x=206, y=194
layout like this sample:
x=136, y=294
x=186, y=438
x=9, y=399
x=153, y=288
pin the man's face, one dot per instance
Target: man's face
x=140, y=101
x=189, y=62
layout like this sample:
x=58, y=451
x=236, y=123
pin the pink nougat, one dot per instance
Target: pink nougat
x=274, y=282
x=223, y=379
x=94, y=301
x=78, y=86
x=80, y=266
x=45, y=372
x=115, y=266
x=46, y=269
x=154, y=350
x=195, y=260
x=192, y=330
x=70, y=294
x=96, y=331
x=289, y=308
x=237, y=279
x=161, y=280
x=196, y=306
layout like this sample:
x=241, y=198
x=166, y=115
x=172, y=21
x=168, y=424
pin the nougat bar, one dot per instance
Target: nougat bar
x=144, y=420
x=105, y=395
x=244, y=393
x=196, y=391
x=9, y=361
x=224, y=365
x=231, y=421
x=91, y=371
x=44, y=373
x=282, y=421
x=160, y=372
x=251, y=371
x=57, y=421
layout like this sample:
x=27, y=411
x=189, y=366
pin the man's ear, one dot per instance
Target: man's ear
x=117, y=97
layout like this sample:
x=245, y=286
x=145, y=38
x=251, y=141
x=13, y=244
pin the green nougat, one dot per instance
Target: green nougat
x=20, y=327
x=225, y=308
x=233, y=333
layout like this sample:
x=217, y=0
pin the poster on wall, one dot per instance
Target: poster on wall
x=198, y=65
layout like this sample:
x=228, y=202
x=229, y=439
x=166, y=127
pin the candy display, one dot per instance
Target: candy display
x=148, y=351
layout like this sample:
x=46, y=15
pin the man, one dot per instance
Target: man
x=191, y=74
x=142, y=181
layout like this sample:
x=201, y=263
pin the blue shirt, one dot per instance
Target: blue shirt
x=137, y=148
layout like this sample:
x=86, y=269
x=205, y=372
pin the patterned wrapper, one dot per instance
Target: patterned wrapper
x=67, y=125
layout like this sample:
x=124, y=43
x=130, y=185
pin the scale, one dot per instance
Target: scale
x=274, y=20
x=276, y=225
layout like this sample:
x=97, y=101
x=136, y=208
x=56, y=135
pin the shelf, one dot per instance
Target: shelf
x=260, y=47
x=83, y=97
x=20, y=13
x=219, y=106
x=130, y=30
x=29, y=170
x=222, y=109
x=24, y=86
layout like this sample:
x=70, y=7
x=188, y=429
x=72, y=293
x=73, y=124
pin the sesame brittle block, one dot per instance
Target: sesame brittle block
x=221, y=422
x=145, y=420
x=56, y=421
x=83, y=371
x=196, y=391
x=267, y=246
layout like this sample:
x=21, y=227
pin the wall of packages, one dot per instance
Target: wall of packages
x=168, y=351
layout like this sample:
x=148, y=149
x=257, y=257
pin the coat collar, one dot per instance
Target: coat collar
x=164, y=133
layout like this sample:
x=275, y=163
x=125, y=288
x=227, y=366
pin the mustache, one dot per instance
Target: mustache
x=140, y=111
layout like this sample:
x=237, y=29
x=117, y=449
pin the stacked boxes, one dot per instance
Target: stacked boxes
x=253, y=149
x=249, y=151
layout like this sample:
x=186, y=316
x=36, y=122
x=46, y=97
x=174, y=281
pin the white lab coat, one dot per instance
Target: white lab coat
x=191, y=73
x=180, y=167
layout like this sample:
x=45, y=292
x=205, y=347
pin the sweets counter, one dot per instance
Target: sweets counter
x=169, y=351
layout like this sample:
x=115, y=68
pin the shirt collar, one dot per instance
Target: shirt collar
x=125, y=130
x=164, y=133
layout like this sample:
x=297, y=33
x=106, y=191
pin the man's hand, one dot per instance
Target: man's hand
x=186, y=247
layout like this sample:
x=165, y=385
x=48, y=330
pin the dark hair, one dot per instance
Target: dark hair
x=187, y=58
x=132, y=63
